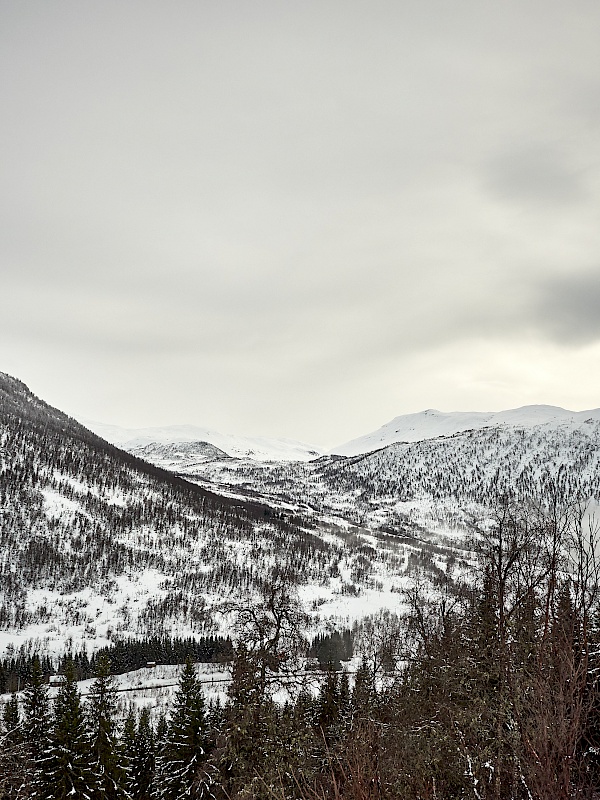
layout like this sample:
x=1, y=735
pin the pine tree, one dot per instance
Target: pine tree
x=102, y=711
x=66, y=769
x=186, y=739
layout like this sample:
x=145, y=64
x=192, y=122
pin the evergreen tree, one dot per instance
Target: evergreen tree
x=128, y=740
x=36, y=726
x=363, y=694
x=102, y=709
x=215, y=716
x=185, y=743
x=247, y=723
x=66, y=769
x=328, y=703
x=11, y=718
x=162, y=728
x=142, y=757
x=344, y=695
x=13, y=762
x=36, y=707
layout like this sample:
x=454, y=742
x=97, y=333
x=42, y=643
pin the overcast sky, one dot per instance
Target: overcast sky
x=300, y=218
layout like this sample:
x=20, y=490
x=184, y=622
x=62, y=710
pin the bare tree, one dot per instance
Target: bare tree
x=270, y=635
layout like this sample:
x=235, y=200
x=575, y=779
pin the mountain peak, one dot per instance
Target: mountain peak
x=431, y=423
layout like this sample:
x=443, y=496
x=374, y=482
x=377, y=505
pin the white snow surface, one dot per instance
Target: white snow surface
x=154, y=687
x=258, y=448
x=431, y=423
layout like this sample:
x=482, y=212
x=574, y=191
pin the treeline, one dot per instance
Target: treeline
x=122, y=656
x=330, y=649
x=130, y=654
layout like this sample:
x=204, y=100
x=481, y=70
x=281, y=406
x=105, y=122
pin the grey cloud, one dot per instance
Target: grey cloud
x=537, y=174
x=567, y=309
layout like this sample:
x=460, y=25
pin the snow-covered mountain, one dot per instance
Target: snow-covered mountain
x=258, y=448
x=430, y=424
x=436, y=484
x=96, y=543
x=446, y=468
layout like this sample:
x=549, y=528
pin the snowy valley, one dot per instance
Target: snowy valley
x=103, y=543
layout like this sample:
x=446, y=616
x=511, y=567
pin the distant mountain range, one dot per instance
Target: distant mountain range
x=436, y=484
x=418, y=427
x=257, y=448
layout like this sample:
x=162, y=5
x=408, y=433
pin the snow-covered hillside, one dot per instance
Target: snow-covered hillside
x=431, y=424
x=96, y=543
x=258, y=448
x=438, y=484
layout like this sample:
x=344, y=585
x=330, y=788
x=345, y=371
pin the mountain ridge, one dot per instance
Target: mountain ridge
x=259, y=448
x=431, y=423
x=95, y=542
x=419, y=426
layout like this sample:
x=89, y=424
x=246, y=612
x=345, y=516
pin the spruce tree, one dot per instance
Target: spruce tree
x=328, y=703
x=66, y=769
x=345, y=698
x=36, y=707
x=36, y=727
x=161, y=730
x=102, y=710
x=184, y=748
x=363, y=694
x=13, y=761
x=128, y=740
x=141, y=753
x=12, y=721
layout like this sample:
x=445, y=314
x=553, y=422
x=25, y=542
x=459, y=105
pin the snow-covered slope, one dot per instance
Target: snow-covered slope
x=96, y=543
x=430, y=424
x=433, y=483
x=257, y=448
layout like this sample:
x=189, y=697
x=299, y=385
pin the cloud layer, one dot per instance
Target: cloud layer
x=299, y=219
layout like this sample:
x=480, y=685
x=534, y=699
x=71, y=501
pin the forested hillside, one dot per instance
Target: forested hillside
x=96, y=542
x=481, y=683
x=444, y=482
